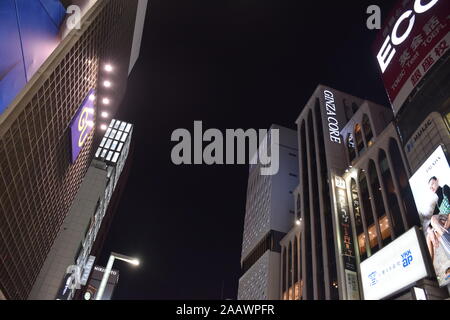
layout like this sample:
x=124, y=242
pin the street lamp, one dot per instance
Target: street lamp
x=108, y=269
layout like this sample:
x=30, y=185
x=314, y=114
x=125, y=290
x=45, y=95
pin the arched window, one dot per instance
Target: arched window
x=298, y=207
x=368, y=213
x=283, y=272
x=290, y=271
x=361, y=237
x=367, y=128
x=412, y=216
x=296, y=286
x=351, y=147
x=359, y=139
x=397, y=223
x=383, y=222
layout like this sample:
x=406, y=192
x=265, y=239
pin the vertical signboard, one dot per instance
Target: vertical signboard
x=416, y=35
x=94, y=284
x=346, y=240
x=82, y=124
x=431, y=191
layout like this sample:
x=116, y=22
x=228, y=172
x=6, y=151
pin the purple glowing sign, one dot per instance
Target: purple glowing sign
x=82, y=124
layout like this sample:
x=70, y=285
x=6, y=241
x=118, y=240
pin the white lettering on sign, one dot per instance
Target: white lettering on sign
x=388, y=51
x=333, y=124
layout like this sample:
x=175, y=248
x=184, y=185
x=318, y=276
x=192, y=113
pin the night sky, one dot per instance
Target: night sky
x=232, y=64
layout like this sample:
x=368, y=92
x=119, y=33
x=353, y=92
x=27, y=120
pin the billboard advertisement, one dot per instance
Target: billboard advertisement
x=29, y=32
x=415, y=36
x=431, y=191
x=393, y=268
x=346, y=240
x=82, y=124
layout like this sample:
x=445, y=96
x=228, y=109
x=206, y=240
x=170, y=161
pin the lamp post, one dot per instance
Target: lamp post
x=108, y=269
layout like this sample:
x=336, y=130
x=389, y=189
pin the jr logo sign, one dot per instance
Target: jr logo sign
x=82, y=124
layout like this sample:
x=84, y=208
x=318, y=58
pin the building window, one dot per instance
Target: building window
x=298, y=206
x=409, y=205
x=296, y=282
x=380, y=210
x=362, y=244
x=367, y=212
x=367, y=128
x=306, y=236
x=359, y=139
x=396, y=224
x=283, y=273
x=290, y=272
x=351, y=147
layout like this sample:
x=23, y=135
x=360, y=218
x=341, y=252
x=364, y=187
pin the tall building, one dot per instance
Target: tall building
x=77, y=236
x=354, y=204
x=68, y=76
x=268, y=216
x=323, y=261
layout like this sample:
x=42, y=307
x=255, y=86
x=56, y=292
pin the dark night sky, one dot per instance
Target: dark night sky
x=232, y=64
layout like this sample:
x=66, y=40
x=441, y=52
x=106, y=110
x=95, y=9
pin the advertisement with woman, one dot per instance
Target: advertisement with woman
x=431, y=189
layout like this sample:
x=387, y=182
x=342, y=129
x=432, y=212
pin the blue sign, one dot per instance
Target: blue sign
x=82, y=124
x=29, y=32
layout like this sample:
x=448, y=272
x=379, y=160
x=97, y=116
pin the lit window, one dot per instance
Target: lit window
x=108, y=143
x=116, y=156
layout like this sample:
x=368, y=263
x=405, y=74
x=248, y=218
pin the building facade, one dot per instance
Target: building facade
x=269, y=215
x=38, y=181
x=318, y=268
x=77, y=236
x=410, y=156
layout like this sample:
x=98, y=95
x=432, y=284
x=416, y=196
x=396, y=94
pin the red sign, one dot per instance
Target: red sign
x=416, y=35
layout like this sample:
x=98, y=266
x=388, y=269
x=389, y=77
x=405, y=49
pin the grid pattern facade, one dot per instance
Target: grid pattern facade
x=37, y=182
x=254, y=283
x=257, y=213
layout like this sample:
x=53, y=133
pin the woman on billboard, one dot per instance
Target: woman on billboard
x=437, y=230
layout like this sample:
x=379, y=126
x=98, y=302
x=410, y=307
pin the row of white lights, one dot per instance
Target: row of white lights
x=106, y=101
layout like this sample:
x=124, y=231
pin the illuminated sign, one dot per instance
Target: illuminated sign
x=393, y=268
x=29, y=32
x=82, y=124
x=431, y=191
x=333, y=123
x=346, y=239
x=415, y=38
